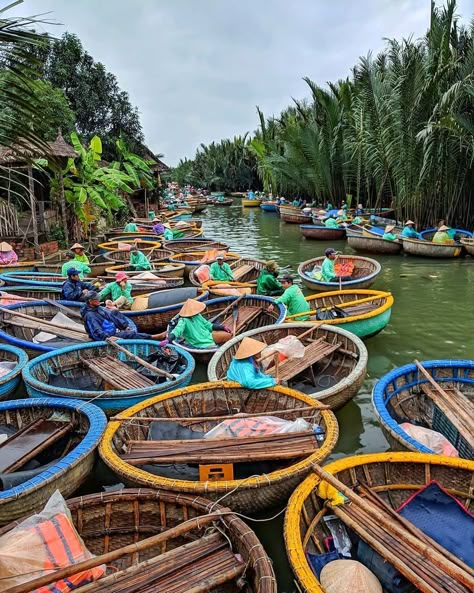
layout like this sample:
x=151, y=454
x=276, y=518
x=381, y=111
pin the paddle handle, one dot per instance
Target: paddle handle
x=144, y=363
x=227, y=308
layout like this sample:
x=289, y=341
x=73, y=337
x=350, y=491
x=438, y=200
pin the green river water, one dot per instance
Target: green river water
x=432, y=318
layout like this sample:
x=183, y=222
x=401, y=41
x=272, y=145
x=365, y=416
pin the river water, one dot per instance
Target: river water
x=432, y=317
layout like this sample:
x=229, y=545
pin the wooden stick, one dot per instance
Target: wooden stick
x=41, y=321
x=62, y=308
x=144, y=363
x=227, y=308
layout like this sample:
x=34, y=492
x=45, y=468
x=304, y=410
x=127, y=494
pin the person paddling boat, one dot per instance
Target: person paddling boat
x=244, y=368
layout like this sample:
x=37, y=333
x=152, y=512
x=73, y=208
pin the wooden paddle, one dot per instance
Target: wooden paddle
x=144, y=363
x=227, y=308
x=64, y=309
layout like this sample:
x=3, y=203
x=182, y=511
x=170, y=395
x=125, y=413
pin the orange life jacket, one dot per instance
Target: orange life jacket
x=249, y=427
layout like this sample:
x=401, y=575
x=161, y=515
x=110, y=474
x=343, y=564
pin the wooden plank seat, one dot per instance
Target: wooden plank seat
x=245, y=316
x=116, y=373
x=30, y=441
x=459, y=409
x=228, y=450
x=242, y=271
x=315, y=351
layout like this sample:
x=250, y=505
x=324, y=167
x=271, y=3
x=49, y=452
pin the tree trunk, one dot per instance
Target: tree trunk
x=34, y=219
x=63, y=208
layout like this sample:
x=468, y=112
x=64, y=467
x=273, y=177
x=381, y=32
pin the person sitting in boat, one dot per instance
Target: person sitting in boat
x=267, y=281
x=341, y=216
x=442, y=236
x=357, y=220
x=296, y=203
x=359, y=211
x=345, y=207
x=388, y=235
x=220, y=270
x=328, y=273
x=409, y=231
x=79, y=254
x=118, y=293
x=101, y=323
x=329, y=207
x=130, y=227
x=244, y=369
x=71, y=262
x=451, y=232
x=330, y=223
x=75, y=289
x=194, y=330
x=292, y=298
x=158, y=227
x=7, y=254
x=250, y=195
x=138, y=260
x=221, y=198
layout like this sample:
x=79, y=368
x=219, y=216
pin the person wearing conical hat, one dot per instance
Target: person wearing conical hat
x=168, y=234
x=442, y=236
x=196, y=331
x=71, y=262
x=409, y=231
x=158, y=226
x=341, y=216
x=388, y=235
x=118, y=293
x=7, y=254
x=267, y=281
x=244, y=368
x=79, y=254
x=139, y=260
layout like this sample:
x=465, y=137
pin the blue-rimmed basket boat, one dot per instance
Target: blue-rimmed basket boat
x=430, y=249
x=192, y=259
x=43, y=279
x=428, y=234
x=183, y=245
x=10, y=381
x=269, y=206
x=248, y=318
x=367, y=312
x=369, y=242
x=22, y=336
x=71, y=463
x=395, y=477
x=251, y=489
x=68, y=364
x=364, y=274
x=319, y=232
x=399, y=397
x=151, y=313
x=332, y=379
x=30, y=292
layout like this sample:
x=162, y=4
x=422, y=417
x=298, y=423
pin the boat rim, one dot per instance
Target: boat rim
x=165, y=308
x=21, y=361
x=304, y=276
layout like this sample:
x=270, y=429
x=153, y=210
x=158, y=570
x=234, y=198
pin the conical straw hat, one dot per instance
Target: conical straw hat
x=77, y=246
x=191, y=307
x=443, y=228
x=409, y=222
x=341, y=576
x=4, y=246
x=389, y=228
x=249, y=347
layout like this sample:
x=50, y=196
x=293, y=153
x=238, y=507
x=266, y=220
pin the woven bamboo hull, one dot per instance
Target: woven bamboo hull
x=364, y=322
x=138, y=514
x=179, y=245
x=427, y=249
x=428, y=234
x=372, y=244
x=69, y=472
x=321, y=233
x=249, y=495
x=119, y=256
x=145, y=246
x=192, y=259
x=294, y=215
x=97, y=268
x=161, y=269
x=200, y=207
x=365, y=274
x=36, y=373
x=31, y=292
x=224, y=203
x=396, y=475
x=347, y=370
x=25, y=266
x=215, y=306
x=250, y=203
x=144, y=236
x=403, y=384
x=468, y=245
x=10, y=381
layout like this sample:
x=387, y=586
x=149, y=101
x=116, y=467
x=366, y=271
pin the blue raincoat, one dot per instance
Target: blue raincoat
x=248, y=375
x=72, y=291
x=101, y=323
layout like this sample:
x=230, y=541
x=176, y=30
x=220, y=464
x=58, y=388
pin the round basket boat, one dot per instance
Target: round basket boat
x=429, y=249
x=12, y=361
x=257, y=487
x=395, y=477
x=294, y=215
x=403, y=395
x=365, y=313
x=151, y=313
x=144, y=246
x=332, y=377
x=143, y=236
x=74, y=372
x=118, y=234
x=161, y=269
x=24, y=293
x=122, y=256
x=245, y=270
x=25, y=266
x=43, y=279
x=468, y=245
x=364, y=275
x=250, y=203
x=54, y=266
x=428, y=234
x=108, y=521
x=192, y=259
x=16, y=333
x=252, y=314
x=319, y=232
x=64, y=467
x=182, y=245
x=370, y=243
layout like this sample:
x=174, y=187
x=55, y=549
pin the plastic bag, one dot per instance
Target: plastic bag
x=42, y=542
x=124, y=246
x=239, y=427
x=431, y=439
x=288, y=347
x=202, y=273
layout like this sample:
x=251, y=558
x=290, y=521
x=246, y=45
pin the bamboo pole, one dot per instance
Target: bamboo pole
x=227, y=308
x=48, y=324
x=347, y=304
x=144, y=363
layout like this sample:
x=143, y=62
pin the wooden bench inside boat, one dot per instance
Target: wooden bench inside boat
x=116, y=373
x=245, y=316
x=314, y=352
x=228, y=450
x=242, y=271
x=30, y=441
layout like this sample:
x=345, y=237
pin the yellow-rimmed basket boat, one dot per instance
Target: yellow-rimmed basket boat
x=393, y=476
x=191, y=558
x=245, y=271
x=331, y=372
x=430, y=249
x=121, y=256
x=193, y=259
x=254, y=490
x=365, y=313
x=143, y=245
x=183, y=245
x=161, y=269
x=246, y=203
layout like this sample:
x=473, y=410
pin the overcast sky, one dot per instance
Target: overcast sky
x=196, y=69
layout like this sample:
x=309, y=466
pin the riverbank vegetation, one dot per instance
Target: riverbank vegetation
x=398, y=132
